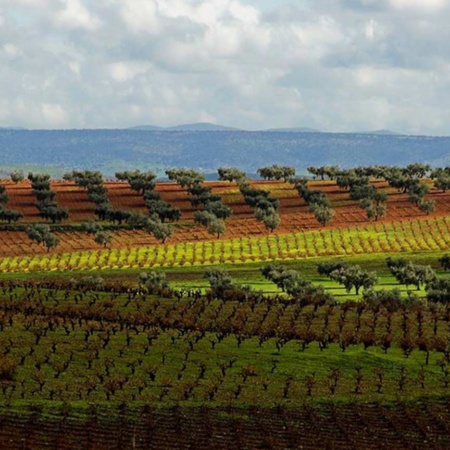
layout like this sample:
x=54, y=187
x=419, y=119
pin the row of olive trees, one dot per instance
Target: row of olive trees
x=405, y=179
x=144, y=184
x=213, y=213
x=7, y=215
x=46, y=198
x=317, y=201
x=266, y=208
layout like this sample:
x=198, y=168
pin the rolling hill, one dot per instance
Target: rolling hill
x=110, y=150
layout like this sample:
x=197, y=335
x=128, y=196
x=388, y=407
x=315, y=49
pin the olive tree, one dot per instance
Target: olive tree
x=42, y=235
x=353, y=277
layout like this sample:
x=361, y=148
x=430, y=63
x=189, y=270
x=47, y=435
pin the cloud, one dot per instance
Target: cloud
x=54, y=115
x=342, y=65
x=76, y=15
x=419, y=5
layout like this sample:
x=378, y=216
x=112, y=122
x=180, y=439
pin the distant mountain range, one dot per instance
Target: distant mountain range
x=206, y=147
x=205, y=126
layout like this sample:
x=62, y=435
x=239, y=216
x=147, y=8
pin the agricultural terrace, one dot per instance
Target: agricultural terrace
x=109, y=355
x=137, y=314
x=296, y=219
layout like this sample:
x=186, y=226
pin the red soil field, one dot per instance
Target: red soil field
x=293, y=211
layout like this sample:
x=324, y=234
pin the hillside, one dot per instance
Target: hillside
x=112, y=150
x=294, y=213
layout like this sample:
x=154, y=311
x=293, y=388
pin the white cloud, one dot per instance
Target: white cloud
x=11, y=50
x=341, y=65
x=140, y=15
x=421, y=5
x=125, y=71
x=76, y=15
x=54, y=115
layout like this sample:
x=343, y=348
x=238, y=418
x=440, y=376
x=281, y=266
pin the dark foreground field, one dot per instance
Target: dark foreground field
x=371, y=426
x=121, y=369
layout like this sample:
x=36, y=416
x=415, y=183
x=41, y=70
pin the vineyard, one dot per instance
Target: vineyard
x=408, y=426
x=129, y=348
x=432, y=234
x=121, y=327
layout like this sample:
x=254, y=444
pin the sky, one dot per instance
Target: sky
x=332, y=65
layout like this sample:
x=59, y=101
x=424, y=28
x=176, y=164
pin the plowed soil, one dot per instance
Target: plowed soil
x=294, y=212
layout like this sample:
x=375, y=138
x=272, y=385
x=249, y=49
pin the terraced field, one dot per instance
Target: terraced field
x=135, y=250
x=100, y=363
x=295, y=217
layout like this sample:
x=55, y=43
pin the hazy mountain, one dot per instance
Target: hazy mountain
x=205, y=126
x=112, y=150
x=201, y=127
x=383, y=132
x=145, y=128
x=293, y=130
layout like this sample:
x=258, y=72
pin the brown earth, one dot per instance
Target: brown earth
x=294, y=213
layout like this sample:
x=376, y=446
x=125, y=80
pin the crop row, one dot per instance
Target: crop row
x=372, y=427
x=419, y=235
x=99, y=346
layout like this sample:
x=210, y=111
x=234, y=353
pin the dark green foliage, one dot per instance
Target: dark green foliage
x=353, y=277
x=323, y=214
x=103, y=238
x=271, y=221
x=231, y=174
x=91, y=227
x=160, y=230
x=42, y=235
x=391, y=299
x=204, y=199
x=44, y=195
x=17, y=176
x=417, y=192
x=185, y=177
x=102, y=210
x=52, y=212
x=220, y=210
x=349, y=179
x=427, y=206
x=324, y=171
x=438, y=290
x=4, y=197
x=203, y=217
x=408, y=273
x=361, y=191
x=292, y=283
x=327, y=267
x=137, y=221
x=252, y=195
x=216, y=227
x=118, y=216
x=151, y=195
x=219, y=280
x=153, y=281
x=276, y=172
x=84, y=178
x=140, y=182
x=10, y=215
x=444, y=261
x=164, y=210
x=441, y=177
